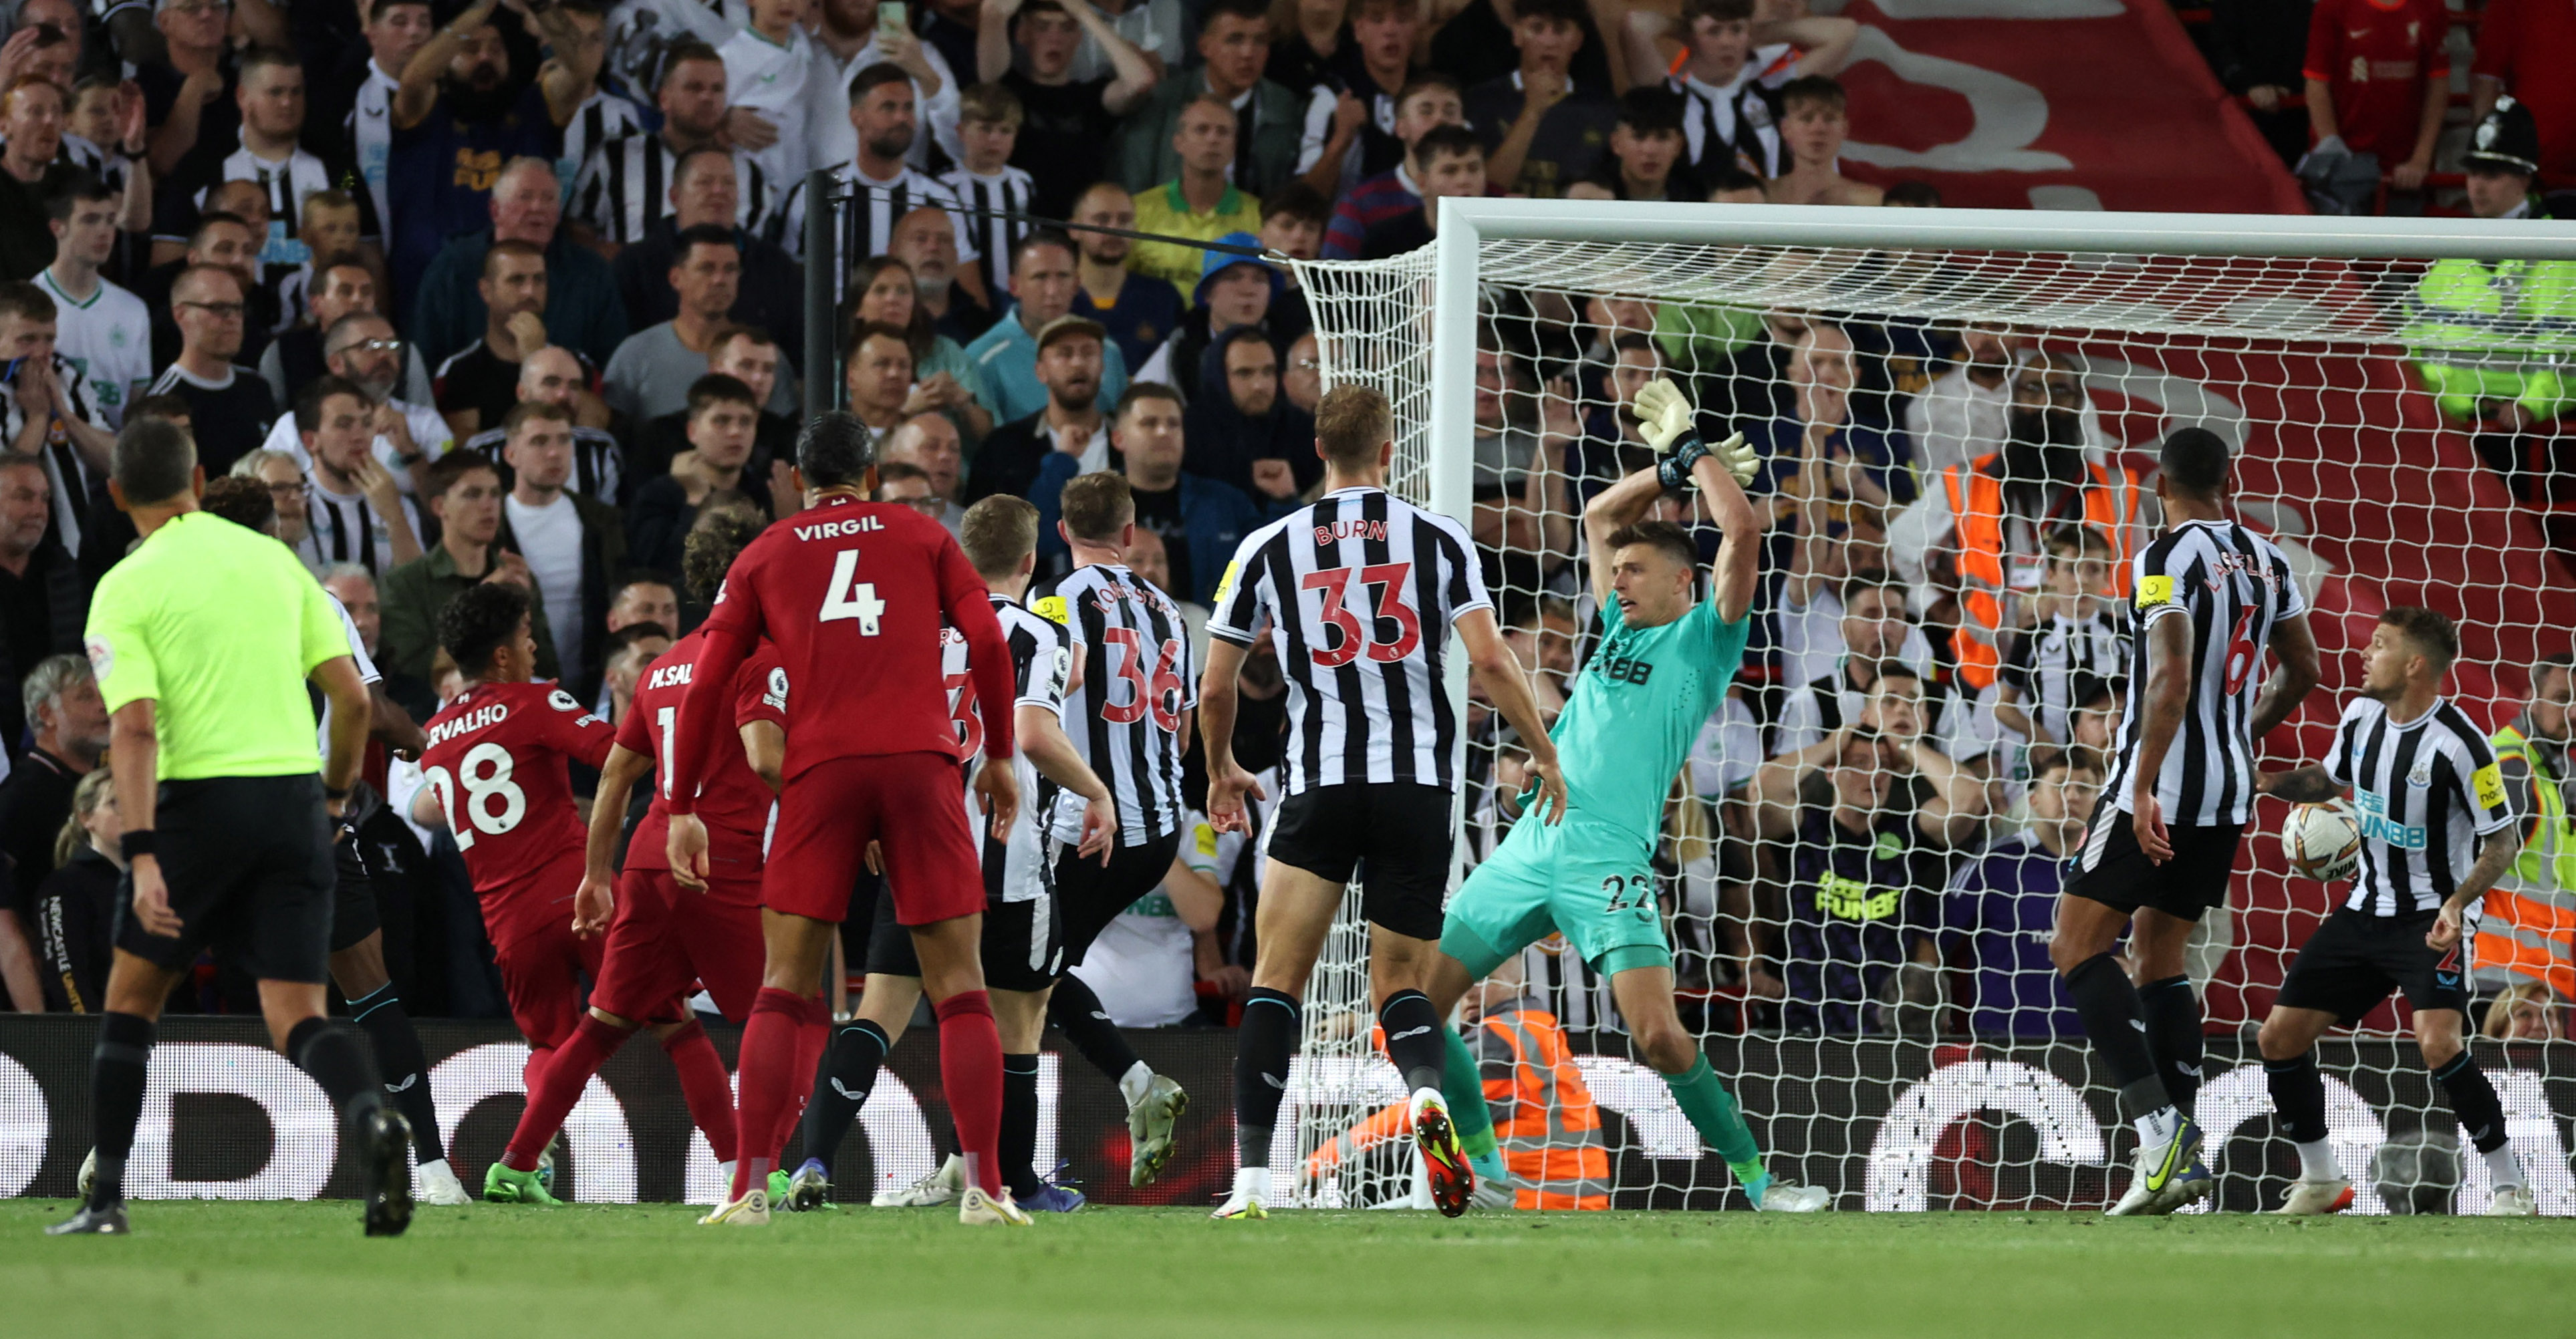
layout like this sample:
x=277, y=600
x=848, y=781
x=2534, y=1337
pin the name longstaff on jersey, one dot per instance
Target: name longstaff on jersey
x=733, y=801
x=2236, y=587
x=497, y=758
x=1359, y=590
x=852, y=595
x=1137, y=681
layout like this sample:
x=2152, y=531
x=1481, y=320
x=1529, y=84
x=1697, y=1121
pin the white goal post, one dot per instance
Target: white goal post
x=2288, y=336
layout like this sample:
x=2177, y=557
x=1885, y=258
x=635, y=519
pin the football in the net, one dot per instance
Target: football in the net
x=2322, y=841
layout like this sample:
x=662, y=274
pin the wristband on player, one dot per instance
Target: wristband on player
x=1675, y=471
x=135, y=842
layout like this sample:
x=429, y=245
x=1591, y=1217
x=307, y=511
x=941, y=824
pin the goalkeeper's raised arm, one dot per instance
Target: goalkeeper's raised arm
x=1719, y=472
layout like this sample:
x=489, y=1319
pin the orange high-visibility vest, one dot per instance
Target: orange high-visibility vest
x=1977, y=504
x=1552, y=1139
x=2527, y=922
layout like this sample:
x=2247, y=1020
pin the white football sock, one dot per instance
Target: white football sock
x=1135, y=1083
x=2317, y=1162
x=2502, y=1168
x=2157, y=1128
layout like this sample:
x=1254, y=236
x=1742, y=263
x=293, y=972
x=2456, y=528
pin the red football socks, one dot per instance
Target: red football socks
x=811, y=1037
x=970, y=1070
x=704, y=1085
x=556, y=1083
x=767, y=1075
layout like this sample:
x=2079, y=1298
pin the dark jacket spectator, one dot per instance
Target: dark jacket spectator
x=584, y=312
x=1230, y=427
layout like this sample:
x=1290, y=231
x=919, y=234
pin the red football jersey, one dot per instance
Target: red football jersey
x=733, y=801
x=852, y=595
x=497, y=758
x=2375, y=58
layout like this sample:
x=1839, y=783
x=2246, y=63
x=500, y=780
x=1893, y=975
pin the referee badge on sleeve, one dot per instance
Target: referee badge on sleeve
x=2487, y=783
x=2155, y=591
x=102, y=658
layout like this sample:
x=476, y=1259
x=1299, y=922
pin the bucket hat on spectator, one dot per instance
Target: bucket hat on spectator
x=2508, y=138
x=1218, y=262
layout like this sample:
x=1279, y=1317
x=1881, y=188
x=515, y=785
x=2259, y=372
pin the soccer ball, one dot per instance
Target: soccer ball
x=2322, y=841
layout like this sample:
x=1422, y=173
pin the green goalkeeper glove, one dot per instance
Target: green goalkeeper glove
x=1665, y=420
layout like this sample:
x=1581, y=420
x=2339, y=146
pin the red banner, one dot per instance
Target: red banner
x=2052, y=104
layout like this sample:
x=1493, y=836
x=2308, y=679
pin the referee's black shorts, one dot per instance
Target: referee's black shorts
x=1092, y=894
x=2355, y=959
x=1395, y=837
x=2116, y=873
x=248, y=862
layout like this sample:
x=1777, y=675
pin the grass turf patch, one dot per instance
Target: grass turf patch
x=203, y=1269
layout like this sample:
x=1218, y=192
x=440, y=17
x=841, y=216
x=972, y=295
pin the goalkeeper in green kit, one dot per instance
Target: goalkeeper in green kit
x=1662, y=666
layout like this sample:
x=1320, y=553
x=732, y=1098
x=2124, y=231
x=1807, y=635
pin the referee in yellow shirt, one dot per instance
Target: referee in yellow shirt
x=202, y=640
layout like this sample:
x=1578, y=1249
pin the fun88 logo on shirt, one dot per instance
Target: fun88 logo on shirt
x=2377, y=826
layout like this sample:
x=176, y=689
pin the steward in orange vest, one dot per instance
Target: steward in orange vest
x=1999, y=549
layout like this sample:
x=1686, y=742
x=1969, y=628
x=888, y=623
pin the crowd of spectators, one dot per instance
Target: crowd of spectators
x=511, y=290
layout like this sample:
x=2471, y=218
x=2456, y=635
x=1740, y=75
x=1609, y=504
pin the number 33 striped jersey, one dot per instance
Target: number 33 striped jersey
x=1358, y=591
x=2236, y=587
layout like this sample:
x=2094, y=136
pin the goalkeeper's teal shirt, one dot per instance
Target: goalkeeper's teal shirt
x=1637, y=708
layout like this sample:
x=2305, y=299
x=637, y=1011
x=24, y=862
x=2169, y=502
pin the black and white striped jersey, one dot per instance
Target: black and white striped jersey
x=1010, y=193
x=2235, y=586
x=598, y=462
x=349, y=529
x=73, y=481
x=604, y=117
x=867, y=221
x=1358, y=590
x=625, y=188
x=1041, y=662
x=287, y=184
x=1136, y=687
x=2057, y=664
x=2425, y=790
x=1738, y=125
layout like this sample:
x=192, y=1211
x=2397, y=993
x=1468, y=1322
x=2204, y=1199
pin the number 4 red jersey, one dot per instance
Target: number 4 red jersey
x=733, y=801
x=852, y=594
x=497, y=759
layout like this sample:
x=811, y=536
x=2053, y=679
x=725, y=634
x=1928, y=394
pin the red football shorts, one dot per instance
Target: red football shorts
x=665, y=937
x=541, y=971
x=906, y=802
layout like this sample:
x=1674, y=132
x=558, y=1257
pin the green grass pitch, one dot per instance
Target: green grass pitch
x=202, y=1270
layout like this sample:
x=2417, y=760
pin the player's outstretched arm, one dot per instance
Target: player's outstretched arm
x=596, y=900
x=1228, y=783
x=2292, y=680
x=1042, y=738
x=1739, y=557
x=1507, y=685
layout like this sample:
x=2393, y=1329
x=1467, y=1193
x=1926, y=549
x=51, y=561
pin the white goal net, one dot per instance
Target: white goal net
x=1860, y=930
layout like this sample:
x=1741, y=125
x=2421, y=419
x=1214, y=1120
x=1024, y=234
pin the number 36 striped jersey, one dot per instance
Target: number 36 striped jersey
x=1358, y=590
x=1125, y=710
x=2236, y=587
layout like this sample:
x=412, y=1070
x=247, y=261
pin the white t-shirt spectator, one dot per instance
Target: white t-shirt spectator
x=1152, y=26
x=550, y=539
x=429, y=432
x=790, y=86
x=1811, y=639
x=1955, y=421
x=109, y=338
x=1141, y=965
x=1728, y=750
x=836, y=141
